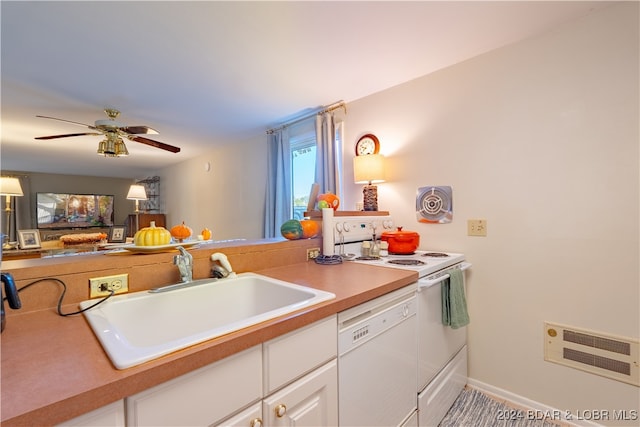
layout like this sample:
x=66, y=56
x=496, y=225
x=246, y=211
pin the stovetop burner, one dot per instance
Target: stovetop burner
x=435, y=255
x=406, y=262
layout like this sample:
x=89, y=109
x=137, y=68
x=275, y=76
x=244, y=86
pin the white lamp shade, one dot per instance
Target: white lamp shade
x=137, y=192
x=10, y=186
x=368, y=169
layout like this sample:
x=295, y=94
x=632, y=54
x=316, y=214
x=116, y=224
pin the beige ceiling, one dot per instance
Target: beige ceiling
x=207, y=73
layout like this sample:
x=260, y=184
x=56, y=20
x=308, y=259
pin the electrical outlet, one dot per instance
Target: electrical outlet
x=100, y=286
x=313, y=253
x=477, y=227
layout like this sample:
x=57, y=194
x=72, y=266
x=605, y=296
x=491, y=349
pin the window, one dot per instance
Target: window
x=303, y=171
x=292, y=170
x=303, y=167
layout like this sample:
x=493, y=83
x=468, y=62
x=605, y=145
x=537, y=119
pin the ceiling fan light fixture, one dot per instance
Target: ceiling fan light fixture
x=121, y=148
x=112, y=146
x=102, y=145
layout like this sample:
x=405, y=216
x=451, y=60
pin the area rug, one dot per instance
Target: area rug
x=476, y=409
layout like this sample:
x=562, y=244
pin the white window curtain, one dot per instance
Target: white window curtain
x=278, y=207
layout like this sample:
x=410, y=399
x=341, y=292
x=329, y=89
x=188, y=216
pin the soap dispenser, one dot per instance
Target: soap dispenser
x=12, y=295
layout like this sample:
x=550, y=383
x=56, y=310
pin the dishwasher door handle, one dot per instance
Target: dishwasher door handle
x=427, y=283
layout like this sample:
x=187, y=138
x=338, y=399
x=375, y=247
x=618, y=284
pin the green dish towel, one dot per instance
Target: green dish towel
x=454, y=303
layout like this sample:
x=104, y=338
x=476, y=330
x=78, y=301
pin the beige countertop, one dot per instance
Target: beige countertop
x=53, y=368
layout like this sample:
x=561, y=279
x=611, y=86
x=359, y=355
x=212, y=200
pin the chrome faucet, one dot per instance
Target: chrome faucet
x=184, y=261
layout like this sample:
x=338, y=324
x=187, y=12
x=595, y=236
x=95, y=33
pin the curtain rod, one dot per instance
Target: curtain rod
x=327, y=109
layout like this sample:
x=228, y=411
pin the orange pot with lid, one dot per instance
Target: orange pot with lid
x=401, y=242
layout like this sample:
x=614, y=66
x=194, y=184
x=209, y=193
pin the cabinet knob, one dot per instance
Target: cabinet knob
x=256, y=422
x=281, y=409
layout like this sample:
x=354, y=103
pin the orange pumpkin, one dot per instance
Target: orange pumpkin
x=206, y=233
x=180, y=232
x=310, y=228
x=330, y=201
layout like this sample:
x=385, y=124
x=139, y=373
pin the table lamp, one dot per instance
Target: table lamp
x=369, y=169
x=137, y=193
x=9, y=186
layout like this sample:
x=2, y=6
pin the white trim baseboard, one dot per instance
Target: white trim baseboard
x=554, y=414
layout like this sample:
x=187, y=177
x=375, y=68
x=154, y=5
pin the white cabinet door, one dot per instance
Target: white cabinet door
x=111, y=415
x=250, y=417
x=290, y=356
x=310, y=401
x=201, y=397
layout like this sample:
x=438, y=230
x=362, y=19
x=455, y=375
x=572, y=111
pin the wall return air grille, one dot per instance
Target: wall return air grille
x=609, y=356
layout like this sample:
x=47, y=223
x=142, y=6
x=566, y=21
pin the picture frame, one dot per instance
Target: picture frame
x=29, y=239
x=117, y=234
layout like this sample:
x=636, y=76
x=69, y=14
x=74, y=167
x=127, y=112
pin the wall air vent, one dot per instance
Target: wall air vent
x=609, y=356
x=434, y=204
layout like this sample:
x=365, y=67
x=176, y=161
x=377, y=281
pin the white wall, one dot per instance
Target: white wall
x=228, y=199
x=541, y=139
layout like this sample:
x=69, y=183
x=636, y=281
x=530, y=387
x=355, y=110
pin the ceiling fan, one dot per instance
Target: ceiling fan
x=114, y=131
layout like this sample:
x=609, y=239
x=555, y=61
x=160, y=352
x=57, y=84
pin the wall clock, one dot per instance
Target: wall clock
x=368, y=144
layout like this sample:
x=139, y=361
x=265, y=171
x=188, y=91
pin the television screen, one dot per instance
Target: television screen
x=55, y=210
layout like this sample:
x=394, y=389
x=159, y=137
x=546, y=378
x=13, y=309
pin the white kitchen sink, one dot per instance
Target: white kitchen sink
x=138, y=327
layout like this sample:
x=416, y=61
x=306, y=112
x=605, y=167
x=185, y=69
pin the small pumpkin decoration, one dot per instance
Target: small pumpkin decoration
x=152, y=236
x=310, y=228
x=328, y=200
x=181, y=232
x=206, y=233
x=291, y=229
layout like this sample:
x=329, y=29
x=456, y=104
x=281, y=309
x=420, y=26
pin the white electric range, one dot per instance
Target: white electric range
x=344, y=235
x=442, y=351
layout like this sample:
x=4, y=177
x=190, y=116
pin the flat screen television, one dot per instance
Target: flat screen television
x=57, y=210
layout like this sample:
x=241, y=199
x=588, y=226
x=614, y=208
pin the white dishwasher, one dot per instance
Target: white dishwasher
x=377, y=361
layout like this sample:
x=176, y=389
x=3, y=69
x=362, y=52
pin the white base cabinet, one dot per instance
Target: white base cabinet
x=290, y=380
x=111, y=415
x=250, y=417
x=310, y=401
x=300, y=378
x=201, y=397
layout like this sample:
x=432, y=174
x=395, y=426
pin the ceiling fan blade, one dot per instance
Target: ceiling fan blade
x=67, y=135
x=68, y=121
x=139, y=130
x=153, y=143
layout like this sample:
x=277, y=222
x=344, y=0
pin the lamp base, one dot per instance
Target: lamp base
x=370, y=193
